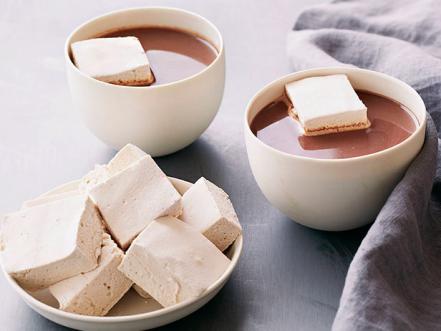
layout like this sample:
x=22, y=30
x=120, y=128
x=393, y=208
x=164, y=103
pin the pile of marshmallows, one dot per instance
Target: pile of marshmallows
x=66, y=241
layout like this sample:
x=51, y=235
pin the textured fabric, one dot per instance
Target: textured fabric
x=394, y=280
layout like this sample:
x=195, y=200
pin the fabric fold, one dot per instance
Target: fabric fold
x=394, y=280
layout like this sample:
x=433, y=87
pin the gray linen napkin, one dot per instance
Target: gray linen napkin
x=394, y=280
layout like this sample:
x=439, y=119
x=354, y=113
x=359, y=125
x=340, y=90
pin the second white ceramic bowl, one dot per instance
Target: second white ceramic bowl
x=338, y=194
x=159, y=119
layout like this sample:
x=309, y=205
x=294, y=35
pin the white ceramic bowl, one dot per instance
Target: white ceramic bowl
x=338, y=194
x=132, y=312
x=159, y=119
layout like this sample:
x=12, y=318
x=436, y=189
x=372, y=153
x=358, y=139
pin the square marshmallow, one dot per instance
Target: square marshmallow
x=97, y=291
x=120, y=60
x=128, y=155
x=327, y=104
x=50, y=242
x=141, y=292
x=134, y=197
x=208, y=209
x=44, y=199
x=173, y=262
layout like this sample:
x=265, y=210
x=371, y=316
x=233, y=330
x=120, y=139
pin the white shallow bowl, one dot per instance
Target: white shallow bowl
x=132, y=312
x=333, y=194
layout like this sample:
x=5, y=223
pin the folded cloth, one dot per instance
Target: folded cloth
x=394, y=280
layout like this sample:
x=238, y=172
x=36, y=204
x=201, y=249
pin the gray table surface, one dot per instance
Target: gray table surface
x=289, y=277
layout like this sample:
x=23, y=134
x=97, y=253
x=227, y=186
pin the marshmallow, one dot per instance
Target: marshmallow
x=134, y=197
x=208, y=209
x=326, y=104
x=43, y=199
x=128, y=155
x=47, y=243
x=97, y=291
x=141, y=292
x=173, y=262
x=68, y=187
x=94, y=177
x=120, y=60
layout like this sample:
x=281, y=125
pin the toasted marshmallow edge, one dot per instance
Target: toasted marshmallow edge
x=134, y=197
x=329, y=129
x=208, y=209
x=95, y=292
x=45, y=244
x=326, y=104
x=119, y=60
x=173, y=262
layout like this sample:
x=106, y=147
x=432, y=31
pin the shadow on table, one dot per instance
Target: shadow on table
x=34, y=321
x=324, y=256
x=342, y=243
x=307, y=272
x=191, y=162
x=201, y=158
x=338, y=246
x=221, y=313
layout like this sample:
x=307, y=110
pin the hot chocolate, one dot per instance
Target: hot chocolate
x=391, y=123
x=173, y=54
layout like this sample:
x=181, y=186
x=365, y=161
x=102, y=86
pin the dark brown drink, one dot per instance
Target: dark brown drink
x=391, y=123
x=173, y=54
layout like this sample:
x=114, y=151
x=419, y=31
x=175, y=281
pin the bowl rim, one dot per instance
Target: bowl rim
x=219, y=56
x=329, y=71
x=238, y=245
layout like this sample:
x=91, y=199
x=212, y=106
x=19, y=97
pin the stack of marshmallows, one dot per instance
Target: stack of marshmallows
x=124, y=225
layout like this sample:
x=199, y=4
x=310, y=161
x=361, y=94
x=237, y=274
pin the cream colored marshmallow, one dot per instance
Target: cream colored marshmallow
x=134, y=197
x=97, y=291
x=141, y=292
x=120, y=60
x=47, y=243
x=173, y=262
x=128, y=155
x=43, y=199
x=208, y=209
x=327, y=104
x=98, y=175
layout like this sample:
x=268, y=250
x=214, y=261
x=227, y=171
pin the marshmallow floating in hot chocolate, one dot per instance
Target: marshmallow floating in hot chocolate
x=326, y=104
x=120, y=61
